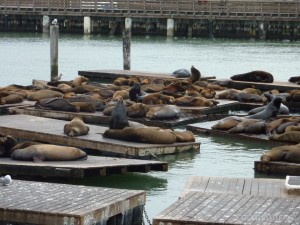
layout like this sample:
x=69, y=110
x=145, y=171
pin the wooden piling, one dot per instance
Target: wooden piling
x=127, y=43
x=54, y=32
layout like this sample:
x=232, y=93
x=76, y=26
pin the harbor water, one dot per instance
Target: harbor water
x=26, y=56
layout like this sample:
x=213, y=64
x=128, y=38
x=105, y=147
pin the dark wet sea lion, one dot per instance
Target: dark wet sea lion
x=288, y=153
x=60, y=104
x=254, y=76
x=118, y=118
x=47, y=152
x=7, y=142
x=135, y=93
x=195, y=75
x=152, y=135
x=270, y=111
x=76, y=127
x=181, y=73
x=295, y=79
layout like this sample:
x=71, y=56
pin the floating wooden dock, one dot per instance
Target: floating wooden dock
x=44, y=203
x=277, y=167
x=96, y=75
x=51, y=131
x=4, y=108
x=92, y=166
x=232, y=201
x=281, y=86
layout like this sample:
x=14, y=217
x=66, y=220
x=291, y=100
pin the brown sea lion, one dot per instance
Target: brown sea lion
x=60, y=104
x=118, y=118
x=11, y=99
x=227, y=123
x=292, y=136
x=23, y=144
x=175, y=87
x=257, y=128
x=79, y=80
x=152, y=135
x=294, y=95
x=124, y=94
x=184, y=136
x=76, y=128
x=64, y=88
x=137, y=110
x=163, y=112
x=85, y=106
x=246, y=97
x=194, y=101
x=292, y=128
x=48, y=152
x=288, y=153
x=253, y=91
x=214, y=87
x=99, y=104
x=133, y=80
x=208, y=93
x=43, y=94
x=240, y=127
x=282, y=128
x=254, y=76
x=121, y=81
x=152, y=88
x=274, y=124
x=157, y=98
x=228, y=94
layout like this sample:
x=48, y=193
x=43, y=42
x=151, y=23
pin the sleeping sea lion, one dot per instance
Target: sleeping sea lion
x=163, y=112
x=124, y=94
x=254, y=76
x=85, y=106
x=227, y=123
x=240, y=127
x=288, y=153
x=118, y=118
x=194, y=101
x=11, y=99
x=228, y=94
x=60, y=104
x=291, y=136
x=181, y=73
x=157, y=98
x=271, y=110
x=76, y=128
x=292, y=128
x=47, y=152
x=23, y=144
x=184, y=136
x=246, y=97
x=152, y=135
x=99, y=104
x=137, y=110
x=294, y=95
x=79, y=80
x=42, y=94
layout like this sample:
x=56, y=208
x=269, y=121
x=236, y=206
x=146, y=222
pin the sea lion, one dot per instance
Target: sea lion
x=246, y=97
x=137, y=110
x=76, y=128
x=124, y=94
x=118, y=118
x=152, y=88
x=294, y=95
x=292, y=128
x=7, y=142
x=253, y=91
x=135, y=93
x=11, y=99
x=152, y=135
x=227, y=123
x=176, y=87
x=121, y=81
x=295, y=79
x=99, y=104
x=181, y=73
x=64, y=87
x=257, y=128
x=208, y=93
x=288, y=153
x=48, y=152
x=240, y=127
x=157, y=98
x=42, y=94
x=85, y=106
x=195, y=75
x=274, y=124
x=163, y=112
x=60, y=104
x=271, y=110
x=194, y=101
x=79, y=80
x=282, y=128
x=184, y=136
x=254, y=76
x=291, y=136
x=23, y=144
x=228, y=94
x=133, y=80
x=214, y=87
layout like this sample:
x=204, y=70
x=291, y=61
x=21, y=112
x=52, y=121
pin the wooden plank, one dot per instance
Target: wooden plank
x=277, y=167
x=51, y=130
x=92, y=166
x=49, y=203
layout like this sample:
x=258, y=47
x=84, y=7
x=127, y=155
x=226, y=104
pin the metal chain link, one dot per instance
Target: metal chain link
x=146, y=216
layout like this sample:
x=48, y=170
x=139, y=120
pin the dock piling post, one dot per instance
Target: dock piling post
x=5, y=23
x=54, y=32
x=46, y=24
x=170, y=27
x=261, y=30
x=87, y=25
x=127, y=43
x=210, y=29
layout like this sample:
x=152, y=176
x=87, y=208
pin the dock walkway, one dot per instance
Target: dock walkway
x=214, y=200
x=92, y=166
x=48, y=203
x=51, y=131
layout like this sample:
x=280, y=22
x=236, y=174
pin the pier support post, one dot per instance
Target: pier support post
x=190, y=30
x=87, y=24
x=127, y=43
x=170, y=27
x=210, y=29
x=46, y=24
x=5, y=23
x=54, y=32
x=261, y=30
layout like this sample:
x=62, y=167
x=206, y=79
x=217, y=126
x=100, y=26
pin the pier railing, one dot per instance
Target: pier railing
x=284, y=9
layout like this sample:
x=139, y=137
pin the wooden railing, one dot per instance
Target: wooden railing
x=158, y=8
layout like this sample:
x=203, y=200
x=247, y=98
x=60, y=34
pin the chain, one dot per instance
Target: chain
x=146, y=216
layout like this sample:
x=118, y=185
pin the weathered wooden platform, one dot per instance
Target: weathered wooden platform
x=51, y=130
x=278, y=167
x=61, y=204
x=4, y=108
x=92, y=166
x=214, y=200
x=98, y=117
x=113, y=74
x=281, y=86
